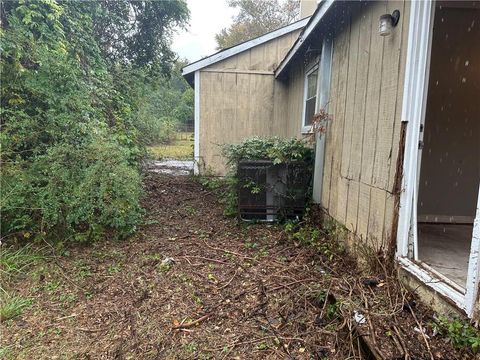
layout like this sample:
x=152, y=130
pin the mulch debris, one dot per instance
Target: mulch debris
x=193, y=284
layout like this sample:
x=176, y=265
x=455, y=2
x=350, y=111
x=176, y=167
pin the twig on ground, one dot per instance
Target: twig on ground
x=228, y=283
x=192, y=323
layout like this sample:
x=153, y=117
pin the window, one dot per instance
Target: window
x=310, y=98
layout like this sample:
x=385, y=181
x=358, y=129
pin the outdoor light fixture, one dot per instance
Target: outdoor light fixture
x=388, y=22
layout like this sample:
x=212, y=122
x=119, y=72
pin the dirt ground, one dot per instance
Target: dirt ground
x=231, y=291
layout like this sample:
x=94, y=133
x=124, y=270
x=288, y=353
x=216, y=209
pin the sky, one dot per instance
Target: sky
x=207, y=17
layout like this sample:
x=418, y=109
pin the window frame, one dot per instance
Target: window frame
x=308, y=128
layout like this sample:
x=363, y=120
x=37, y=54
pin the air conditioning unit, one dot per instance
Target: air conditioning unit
x=272, y=192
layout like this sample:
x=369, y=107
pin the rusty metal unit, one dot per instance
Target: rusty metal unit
x=272, y=192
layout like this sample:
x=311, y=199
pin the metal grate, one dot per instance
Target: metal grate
x=272, y=192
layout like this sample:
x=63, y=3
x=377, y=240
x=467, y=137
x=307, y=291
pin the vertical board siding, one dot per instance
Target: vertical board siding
x=362, y=26
x=353, y=43
x=362, y=139
x=336, y=131
x=391, y=88
x=373, y=95
x=236, y=105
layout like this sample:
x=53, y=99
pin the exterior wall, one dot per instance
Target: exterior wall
x=240, y=98
x=363, y=137
x=296, y=88
x=307, y=8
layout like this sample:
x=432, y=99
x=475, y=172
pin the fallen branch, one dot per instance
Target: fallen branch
x=192, y=323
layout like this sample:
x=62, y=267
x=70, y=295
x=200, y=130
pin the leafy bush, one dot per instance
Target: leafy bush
x=69, y=145
x=71, y=191
x=276, y=149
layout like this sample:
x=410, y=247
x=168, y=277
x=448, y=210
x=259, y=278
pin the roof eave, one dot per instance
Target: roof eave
x=315, y=19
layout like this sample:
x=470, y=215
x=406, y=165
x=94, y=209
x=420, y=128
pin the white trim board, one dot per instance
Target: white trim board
x=317, y=16
x=196, y=130
x=324, y=80
x=473, y=276
x=416, y=69
x=306, y=129
x=224, y=54
x=433, y=282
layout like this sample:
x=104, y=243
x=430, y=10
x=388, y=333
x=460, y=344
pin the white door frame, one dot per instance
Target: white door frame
x=323, y=98
x=413, y=114
x=473, y=264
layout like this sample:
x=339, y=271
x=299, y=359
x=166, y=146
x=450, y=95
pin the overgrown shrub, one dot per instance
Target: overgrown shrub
x=72, y=193
x=69, y=149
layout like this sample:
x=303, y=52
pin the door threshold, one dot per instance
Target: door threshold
x=434, y=281
x=441, y=276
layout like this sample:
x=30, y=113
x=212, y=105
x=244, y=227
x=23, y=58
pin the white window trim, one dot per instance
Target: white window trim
x=306, y=129
x=413, y=113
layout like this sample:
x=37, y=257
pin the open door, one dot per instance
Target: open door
x=449, y=160
x=438, y=225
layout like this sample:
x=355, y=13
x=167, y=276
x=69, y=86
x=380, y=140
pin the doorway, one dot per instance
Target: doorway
x=450, y=143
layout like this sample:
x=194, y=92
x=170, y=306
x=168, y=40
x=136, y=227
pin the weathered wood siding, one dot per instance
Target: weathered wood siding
x=295, y=88
x=240, y=98
x=363, y=137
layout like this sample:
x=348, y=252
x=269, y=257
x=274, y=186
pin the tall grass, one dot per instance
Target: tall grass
x=16, y=261
x=12, y=306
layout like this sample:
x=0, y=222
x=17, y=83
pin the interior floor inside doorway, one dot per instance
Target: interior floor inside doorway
x=446, y=248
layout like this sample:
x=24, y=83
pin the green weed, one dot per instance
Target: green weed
x=114, y=269
x=180, y=148
x=262, y=346
x=68, y=298
x=83, y=269
x=191, y=347
x=12, y=306
x=164, y=268
x=51, y=286
x=460, y=333
x=5, y=352
x=152, y=257
x=190, y=210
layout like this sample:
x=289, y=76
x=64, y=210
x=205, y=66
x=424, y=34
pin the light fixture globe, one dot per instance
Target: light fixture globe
x=387, y=22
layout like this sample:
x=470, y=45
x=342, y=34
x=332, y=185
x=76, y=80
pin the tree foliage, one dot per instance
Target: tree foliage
x=166, y=105
x=256, y=18
x=138, y=32
x=70, y=140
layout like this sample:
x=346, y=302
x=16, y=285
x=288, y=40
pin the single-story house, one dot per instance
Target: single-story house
x=399, y=164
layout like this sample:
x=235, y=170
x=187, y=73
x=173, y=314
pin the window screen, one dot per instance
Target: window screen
x=310, y=97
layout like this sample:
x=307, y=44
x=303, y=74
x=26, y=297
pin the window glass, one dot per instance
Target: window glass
x=310, y=97
x=312, y=84
x=310, y=111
